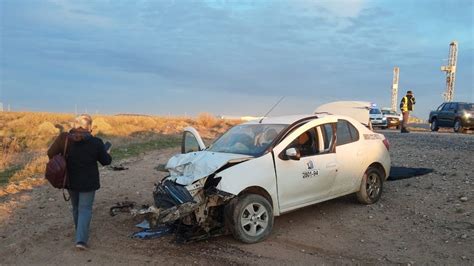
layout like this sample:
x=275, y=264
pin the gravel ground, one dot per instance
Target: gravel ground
x=426, y=219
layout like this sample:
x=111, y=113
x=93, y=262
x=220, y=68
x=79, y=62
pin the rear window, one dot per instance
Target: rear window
x=467, y=106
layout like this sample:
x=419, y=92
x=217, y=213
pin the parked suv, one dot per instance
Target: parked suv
x=458, y=115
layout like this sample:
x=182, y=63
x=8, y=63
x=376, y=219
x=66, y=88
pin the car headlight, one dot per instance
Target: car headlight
x=384, y=119
x=467, y=115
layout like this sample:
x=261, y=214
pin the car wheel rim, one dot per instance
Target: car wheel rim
x=254, y=219
x=433, y=125
x=456, y=126
x=373, y=185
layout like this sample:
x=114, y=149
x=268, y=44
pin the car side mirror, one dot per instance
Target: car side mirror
x=293, y=154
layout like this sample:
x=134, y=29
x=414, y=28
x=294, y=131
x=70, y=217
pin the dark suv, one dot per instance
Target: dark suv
x=458, y=115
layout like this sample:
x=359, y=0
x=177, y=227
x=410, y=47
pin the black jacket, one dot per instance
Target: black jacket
x=83, y=153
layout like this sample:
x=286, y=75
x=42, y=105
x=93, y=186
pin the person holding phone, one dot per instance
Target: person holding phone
x=82, y=154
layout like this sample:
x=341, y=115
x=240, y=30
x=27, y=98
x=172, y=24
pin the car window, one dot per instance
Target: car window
x=327, y=137
x=307, y=143
x=467, y=106
x=354, y=132
x=346, y=132
x=375, y=111
x=343, y=133
x=190, y=143
x=446, y=107
x=248, y=139
x=441, y=107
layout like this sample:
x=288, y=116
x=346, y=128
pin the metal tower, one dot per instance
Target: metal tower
x=450, y=70
x=396, y=73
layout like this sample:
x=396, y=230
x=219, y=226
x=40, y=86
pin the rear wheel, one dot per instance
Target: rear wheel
x=371, y=186
x=434, y=125
x=458, y=128
x=251, y=218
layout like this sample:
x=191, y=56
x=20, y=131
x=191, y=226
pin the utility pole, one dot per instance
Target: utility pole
x=396, y=73
x=450, y=70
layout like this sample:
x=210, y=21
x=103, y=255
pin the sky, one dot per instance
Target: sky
x=228, y=57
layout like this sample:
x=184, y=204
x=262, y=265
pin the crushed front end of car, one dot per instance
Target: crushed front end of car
x=197, y=209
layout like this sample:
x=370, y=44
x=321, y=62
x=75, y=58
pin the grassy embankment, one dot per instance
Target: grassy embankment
x=25, y=137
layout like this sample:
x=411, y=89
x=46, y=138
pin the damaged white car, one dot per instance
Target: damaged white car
x=262, y=169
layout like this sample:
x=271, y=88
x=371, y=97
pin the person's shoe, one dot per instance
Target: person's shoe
x=81, y=246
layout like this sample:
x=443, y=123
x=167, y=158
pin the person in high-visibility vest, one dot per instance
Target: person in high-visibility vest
x=407, y=105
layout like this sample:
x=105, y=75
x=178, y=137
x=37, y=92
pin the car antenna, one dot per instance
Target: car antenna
x=271, y=109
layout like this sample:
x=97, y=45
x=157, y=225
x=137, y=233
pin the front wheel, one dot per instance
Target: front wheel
x=434, y=125
x=371, y=186
x=251, y=218
x=458, y=128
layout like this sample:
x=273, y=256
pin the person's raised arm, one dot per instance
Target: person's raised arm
x=104, y=156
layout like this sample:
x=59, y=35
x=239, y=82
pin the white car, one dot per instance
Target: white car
x=265, y=168
x=377, y=118
x=393, y=118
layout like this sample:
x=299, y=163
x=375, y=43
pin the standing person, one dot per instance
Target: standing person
x=407, y=105
x=83, y=153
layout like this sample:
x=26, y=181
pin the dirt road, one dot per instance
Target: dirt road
x=419, y=220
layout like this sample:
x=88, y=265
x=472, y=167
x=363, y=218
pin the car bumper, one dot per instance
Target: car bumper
x=379, y=123
x=468, y=123
x=393, y=122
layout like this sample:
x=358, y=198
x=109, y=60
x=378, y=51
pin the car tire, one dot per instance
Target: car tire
x=371, y=186
x=250, y=218
x=434, y=125
x=458, y=128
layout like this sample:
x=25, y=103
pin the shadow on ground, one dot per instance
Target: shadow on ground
x=398, y=173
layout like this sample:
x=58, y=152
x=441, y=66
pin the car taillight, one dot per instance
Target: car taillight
x=387, y=144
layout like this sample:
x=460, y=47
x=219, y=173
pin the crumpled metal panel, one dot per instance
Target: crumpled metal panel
x=187, y=168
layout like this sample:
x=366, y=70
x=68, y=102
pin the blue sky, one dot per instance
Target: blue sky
x=228, y=57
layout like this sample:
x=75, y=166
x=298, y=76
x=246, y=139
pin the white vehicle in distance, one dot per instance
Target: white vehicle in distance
x=265, y=168
x=377, y=119
x=393, y=118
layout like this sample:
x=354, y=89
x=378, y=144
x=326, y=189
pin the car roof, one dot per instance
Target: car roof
x=286, y=120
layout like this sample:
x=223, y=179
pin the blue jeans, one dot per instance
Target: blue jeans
x=82, y=213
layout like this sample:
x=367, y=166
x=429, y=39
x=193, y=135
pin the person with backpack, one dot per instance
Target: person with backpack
x=407, y=105
x=82, y=152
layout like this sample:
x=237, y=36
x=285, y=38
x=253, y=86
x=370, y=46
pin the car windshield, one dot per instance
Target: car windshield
x=388, y=112
x=375, y=111
x=468, y=106
x=248, y=139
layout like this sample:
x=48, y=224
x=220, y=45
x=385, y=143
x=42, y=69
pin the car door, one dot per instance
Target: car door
x=191, y=141
x=443, y=115
x=350, y=154
x=309, y=179
x=453, y=110
x=451, y=114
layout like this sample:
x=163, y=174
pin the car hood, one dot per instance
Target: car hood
x=186, y=168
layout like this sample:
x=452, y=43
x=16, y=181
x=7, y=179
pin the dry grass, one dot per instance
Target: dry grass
x=25, y=136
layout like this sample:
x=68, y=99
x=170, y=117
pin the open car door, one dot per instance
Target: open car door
x=192, y=141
